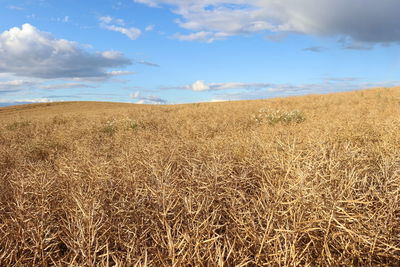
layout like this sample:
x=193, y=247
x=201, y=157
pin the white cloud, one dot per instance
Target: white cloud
x=199, y=86
x=202, y=36
x=149, y=28
x=108, y=22
x=120, y=73
x=363, y=21
x=30, y=52
x=142, y=62
x=265, y=90
x=276, y=90
x=65, y=86
x=33, y=100
x=131, y=33
x=147, y=2
x=218, y=100
x=315, y=49
x=106, y=19
x=354, y=45
x=15, y=85
x=12, y=7
x=202, y=86
x=135, y=95
x=341, y=79
x=147, y=99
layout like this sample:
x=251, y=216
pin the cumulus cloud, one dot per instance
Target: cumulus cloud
x=108, y=23
x=30, y=52
x=363, y=21
x=147, y=99
x=199, y=86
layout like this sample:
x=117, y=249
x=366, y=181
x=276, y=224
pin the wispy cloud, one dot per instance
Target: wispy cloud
x=246, y=91
x=350, y=44
x=202, y=36
x=277, y=36
x=131, y=33
x=65, y=86
x=316, y=49
x=15, y=85
x=142, y=62
x=147, y=99
x=109, y=19
x=31, y=100
x=62, y=96
x=218, y=100
x=341, y=79
x=117, y=5
x=149, y=28
x=150, y=3
x=276, y=90
x=200, y=85
x=120, y=73
x=13, y=7
x=110, y=23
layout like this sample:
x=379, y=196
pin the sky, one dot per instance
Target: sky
x=185, y=51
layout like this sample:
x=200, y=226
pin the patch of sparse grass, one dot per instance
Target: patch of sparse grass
x=109, y=128
x=133, y=125
x=17, y=125
x=60, y=120
x=278, y=116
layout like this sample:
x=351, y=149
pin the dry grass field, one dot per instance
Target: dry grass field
x=300, y=181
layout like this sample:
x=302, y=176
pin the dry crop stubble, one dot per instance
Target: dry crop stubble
x=203, y=184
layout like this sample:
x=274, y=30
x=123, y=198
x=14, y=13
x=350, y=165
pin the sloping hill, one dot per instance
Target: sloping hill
x=310, y=180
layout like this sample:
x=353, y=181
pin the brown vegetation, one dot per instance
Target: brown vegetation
x=207, y=184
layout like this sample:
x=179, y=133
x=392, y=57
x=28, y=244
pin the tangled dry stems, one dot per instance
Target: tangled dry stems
x=98, y=184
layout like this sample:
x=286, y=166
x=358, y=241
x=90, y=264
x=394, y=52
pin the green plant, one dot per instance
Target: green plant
x=133, y=125
x=17, y=125
x=279, y=116
x=110, y=128
x=59, y=120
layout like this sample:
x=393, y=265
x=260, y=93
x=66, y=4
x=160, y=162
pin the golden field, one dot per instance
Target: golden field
x=300, y=181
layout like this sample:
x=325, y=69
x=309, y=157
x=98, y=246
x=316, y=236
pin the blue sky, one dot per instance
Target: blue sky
x=181, y=51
